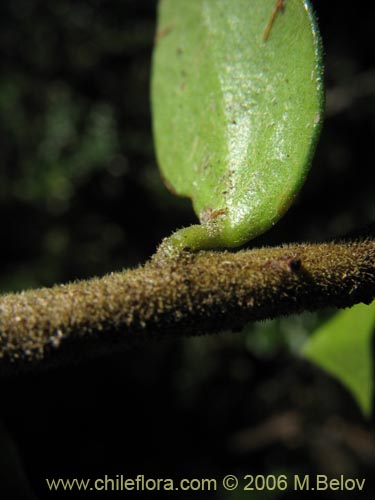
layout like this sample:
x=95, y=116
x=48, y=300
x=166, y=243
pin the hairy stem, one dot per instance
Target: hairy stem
x=190, y=294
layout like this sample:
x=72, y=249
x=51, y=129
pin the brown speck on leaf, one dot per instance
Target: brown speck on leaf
x=169, y=186
x=208, y=214
x=163, y=32
x=278, y=7
x=216, y=213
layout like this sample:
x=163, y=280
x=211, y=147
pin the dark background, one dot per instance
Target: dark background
x=80, y=195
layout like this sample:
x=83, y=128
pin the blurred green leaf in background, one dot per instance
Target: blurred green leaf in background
x=343, y=347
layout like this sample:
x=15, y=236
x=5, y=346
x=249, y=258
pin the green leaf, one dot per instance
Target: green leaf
x=235, y=117
x=343, y=347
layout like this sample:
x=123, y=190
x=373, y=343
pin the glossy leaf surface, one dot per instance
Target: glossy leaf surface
x=235, y=117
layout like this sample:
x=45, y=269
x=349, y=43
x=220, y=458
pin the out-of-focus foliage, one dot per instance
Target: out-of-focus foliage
x=343, y=347
x=63, y=147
